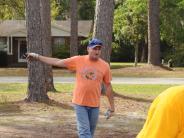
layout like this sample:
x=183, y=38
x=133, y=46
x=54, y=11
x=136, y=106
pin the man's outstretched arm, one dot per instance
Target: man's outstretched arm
x=48, y=60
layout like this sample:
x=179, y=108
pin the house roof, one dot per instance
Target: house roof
x=58, y=28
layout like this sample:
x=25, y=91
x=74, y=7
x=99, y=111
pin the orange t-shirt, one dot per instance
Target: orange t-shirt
x=89, y=76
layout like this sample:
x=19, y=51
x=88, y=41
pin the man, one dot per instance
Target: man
x=91, y=71
x=166, y=115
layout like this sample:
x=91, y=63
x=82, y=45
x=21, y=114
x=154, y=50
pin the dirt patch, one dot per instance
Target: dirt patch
x=57, y=119
x=148, y=71
x=145, y=69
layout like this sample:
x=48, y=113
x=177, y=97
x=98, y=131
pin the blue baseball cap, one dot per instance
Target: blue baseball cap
x=95, y=42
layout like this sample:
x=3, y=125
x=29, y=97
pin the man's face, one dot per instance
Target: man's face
x=94, y=53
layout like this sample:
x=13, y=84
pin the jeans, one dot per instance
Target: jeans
x=87, y=118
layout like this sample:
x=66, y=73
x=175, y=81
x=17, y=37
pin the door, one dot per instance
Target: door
x=22, y=50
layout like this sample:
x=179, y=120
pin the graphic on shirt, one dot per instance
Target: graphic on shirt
x=89, y=73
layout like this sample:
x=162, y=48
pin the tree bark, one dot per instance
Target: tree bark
x=46, y=41
x=38, y=40
x=136, y=54
x=74, y=28
x=144, y=54
x=103, y=26
x=153, y=32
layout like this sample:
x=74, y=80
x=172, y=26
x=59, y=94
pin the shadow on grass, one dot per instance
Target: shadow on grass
x=15, y=107
x=132, y=98
x=9, y=107
x=52, y=102
x=120, y=66
x=166, y=68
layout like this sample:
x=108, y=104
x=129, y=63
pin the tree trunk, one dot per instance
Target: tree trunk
x=103, y=25
x=136, y=54
x=153, y=32
x=46, y=41
x=74, y=28
x=144, y=54
x=39, y=42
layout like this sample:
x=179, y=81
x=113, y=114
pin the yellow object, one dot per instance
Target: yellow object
x=166, y=115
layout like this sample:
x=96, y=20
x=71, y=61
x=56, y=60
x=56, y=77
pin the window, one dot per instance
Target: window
x=3, y=44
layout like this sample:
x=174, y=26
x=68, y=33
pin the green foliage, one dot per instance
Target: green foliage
x=130, y=25
x=15, y=9
x=86, y=9
x=122, y=53
x=177, y=56
x=83, y=45
x=130, y=28
x=54, y=9
x=130, y=20
x=62, y=6
x=86, y=41
x=12, y=9
x=172, y=29
x=172, y=21
x=61, y=51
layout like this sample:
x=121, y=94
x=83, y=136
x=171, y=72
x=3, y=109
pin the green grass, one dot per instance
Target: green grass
x=64, y=87
x=125, y=64
x=13, y=88
x=148, y=89
x=117, y=65
x=21, y=88
x=12, y=92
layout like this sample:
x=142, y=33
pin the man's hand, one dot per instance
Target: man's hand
x=32, y=56
x=108, y=113
x=109, y=94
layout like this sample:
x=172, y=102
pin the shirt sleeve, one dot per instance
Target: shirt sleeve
x=71, y=63
x=162, y=121
x=107, y=76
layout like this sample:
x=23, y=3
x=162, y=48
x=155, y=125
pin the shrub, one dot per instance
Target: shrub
x=176, y=54
x=61, y=51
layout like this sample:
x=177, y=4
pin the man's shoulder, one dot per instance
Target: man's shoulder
x=81, y=56
x=104, y=62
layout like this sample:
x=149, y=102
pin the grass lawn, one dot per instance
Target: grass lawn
x=148, y=89
x=57, y=119
x=17, y=91
x=117, y=65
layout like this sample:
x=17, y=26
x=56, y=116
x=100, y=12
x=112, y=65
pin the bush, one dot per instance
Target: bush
x=178, y=58
x=176, y=54
x=3, y=59
x=122, y=53
x=61, y=51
